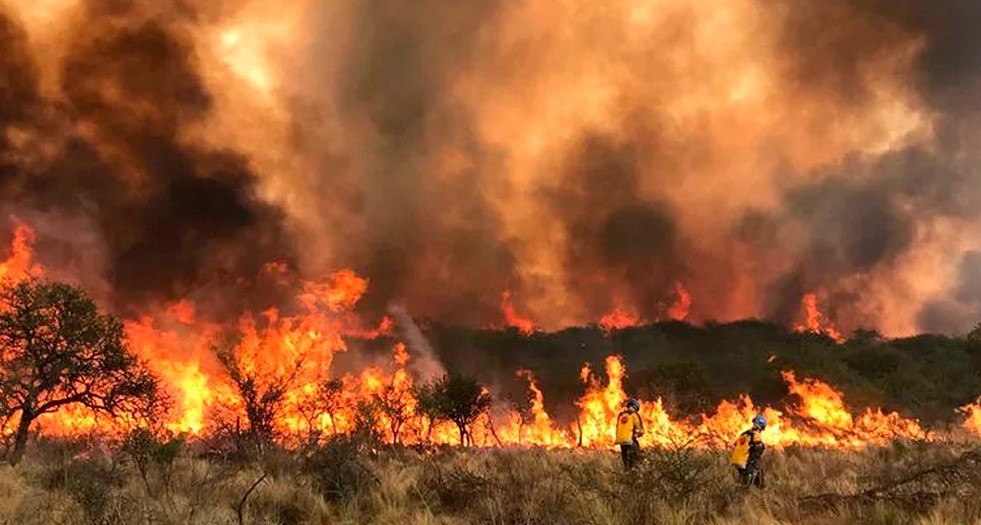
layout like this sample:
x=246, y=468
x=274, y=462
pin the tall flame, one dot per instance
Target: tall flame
x=524, y=325
x=816, y=322
x=18, y=266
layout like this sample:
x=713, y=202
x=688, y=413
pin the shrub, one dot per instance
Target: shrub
x=89, y=482
x=340, y=469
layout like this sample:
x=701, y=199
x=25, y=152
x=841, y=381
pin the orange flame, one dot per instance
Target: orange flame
x=17, y=266
x=524, y=325
x=177, y=345
x=679, y=310
x=973, y=421
x=618, y=320
x=816, y=322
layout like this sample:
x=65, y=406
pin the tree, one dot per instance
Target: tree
x=974, y=336
x=57, y=350
x=327, y=400
x=427, y=406
x=458, y=399
x=395, y=404
x=261, y=392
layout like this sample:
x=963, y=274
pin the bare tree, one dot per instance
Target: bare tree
x=57, y=350
x=328, y=400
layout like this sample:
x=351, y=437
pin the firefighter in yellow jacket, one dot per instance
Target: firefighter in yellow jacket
x=747, y=452
x=629, y=429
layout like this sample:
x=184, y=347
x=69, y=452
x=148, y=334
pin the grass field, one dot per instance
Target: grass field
x=344, y=482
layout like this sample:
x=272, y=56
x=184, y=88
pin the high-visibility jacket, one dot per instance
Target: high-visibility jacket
x=748, y=443
x=629, y=426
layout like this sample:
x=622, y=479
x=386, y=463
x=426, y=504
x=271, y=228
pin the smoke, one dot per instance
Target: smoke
x=425, y=363
x=584, y=156
x=175, y=216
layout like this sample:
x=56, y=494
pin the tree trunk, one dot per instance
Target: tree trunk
x=20, y=438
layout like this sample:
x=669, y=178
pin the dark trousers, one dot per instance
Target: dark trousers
x=751, y=476
x=628, y=453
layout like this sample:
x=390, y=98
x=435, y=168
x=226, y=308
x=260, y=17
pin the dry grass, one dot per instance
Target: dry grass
x=346, y=484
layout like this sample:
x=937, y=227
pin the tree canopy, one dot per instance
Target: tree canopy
x=57, y=349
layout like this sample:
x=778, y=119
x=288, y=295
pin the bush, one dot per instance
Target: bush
x=89, y=482
x=341, y=470
x=684, y=478
x=455, y=488
x=150, y=454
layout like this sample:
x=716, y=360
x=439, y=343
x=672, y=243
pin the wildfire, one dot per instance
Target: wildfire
x=816, y=322
x=973, y=421
x=679, y=310
x=618, y=320
x=182, y=349
x=523, y=324
x=17, y=265
x=621, y=318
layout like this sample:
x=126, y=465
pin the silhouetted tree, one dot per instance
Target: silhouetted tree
x=261, y=392
x=458, y=399
x=328, y=400
x=395, y=404
x=58, y=350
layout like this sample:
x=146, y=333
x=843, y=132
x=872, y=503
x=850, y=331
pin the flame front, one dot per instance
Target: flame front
x=179, y=347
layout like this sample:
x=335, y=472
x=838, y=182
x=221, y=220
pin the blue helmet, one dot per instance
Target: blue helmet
x=759, y=421
x=633, y=403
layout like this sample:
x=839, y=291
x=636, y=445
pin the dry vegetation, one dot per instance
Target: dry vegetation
x=348, y=482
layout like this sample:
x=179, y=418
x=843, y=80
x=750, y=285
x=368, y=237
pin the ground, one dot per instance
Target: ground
x=346, y=483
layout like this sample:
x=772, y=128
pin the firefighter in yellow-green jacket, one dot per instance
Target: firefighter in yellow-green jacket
x=629, y=429
x=747, y=452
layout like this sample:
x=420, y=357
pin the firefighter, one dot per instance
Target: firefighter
x=747, y=452
x=629, y=429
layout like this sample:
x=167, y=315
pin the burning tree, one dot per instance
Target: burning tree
x=260, y=392
x=58, y=350
x=454, y=398
x=327, y=401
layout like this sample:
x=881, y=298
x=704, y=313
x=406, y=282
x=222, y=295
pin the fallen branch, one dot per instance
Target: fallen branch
x=241, y=504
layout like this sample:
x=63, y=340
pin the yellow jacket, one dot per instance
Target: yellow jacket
x=629, y=427
x=740, y=452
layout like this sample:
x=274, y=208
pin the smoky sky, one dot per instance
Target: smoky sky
x=175, y=217
x=418, y=202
